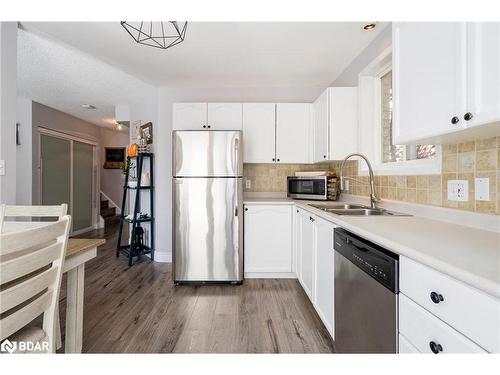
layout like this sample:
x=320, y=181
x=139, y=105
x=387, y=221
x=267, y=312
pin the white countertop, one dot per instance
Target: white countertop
x=468, y=254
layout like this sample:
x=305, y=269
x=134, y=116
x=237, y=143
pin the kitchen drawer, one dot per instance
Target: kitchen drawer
x=468, y=310
x=405, y=347
x=422, y=329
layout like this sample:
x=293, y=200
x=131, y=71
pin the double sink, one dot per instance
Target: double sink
x=355, y=210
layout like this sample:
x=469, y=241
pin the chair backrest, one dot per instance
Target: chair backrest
x=30, y=277
x=29, y=213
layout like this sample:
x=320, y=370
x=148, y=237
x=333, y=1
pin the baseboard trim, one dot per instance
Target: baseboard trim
x=270, y=275
x=163, y=257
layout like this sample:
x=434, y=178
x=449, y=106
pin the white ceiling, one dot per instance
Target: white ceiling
x=61, y=62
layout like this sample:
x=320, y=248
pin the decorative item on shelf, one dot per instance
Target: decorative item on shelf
x=162, y=34
x=143, y=143
x=114, y=158
x=132, y=183
x=145, y=179
x=147, y=132
x=133, y=150
x=138, y=243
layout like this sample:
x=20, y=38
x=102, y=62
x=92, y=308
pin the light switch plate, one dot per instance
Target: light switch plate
x=2, y=167
x=248, y=184
x=458, y=190
x=482, y=189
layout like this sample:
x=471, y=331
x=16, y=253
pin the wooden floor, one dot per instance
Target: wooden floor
x=139, y=310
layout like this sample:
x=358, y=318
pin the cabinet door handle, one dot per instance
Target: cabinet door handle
x=277, y=159
x=468, y=116
x=246, y=208
x=273, y=159
x=455, y=120
x=436, y=298
x=311, y=218
x=204, y=126
x=208, y=126
x=435, y=348
x=324, y=156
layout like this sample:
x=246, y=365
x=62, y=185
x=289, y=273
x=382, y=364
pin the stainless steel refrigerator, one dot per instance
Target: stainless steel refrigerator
x=207, y=206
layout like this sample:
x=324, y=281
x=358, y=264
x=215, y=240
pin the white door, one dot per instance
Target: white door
x=225, y=116
x=428, y=79
x=268, y=250
x=259, y=132
x=292, y=132
x=343, y=121
x=321, y=120
x=306, y=245
x=323, y=238
x=190, y=116
x=483, y=73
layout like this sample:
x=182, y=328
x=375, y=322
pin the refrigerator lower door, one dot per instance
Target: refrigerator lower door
x=208, y=229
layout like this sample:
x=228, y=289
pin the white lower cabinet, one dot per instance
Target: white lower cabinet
x=268, y=240
x=429, y=334
x=305, y=251
x=324, y=278
x=405, y=347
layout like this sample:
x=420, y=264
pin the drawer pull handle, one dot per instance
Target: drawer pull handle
x=435, y=348
x=436, y=298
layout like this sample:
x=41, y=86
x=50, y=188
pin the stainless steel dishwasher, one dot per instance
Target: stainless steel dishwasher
x=366, y=296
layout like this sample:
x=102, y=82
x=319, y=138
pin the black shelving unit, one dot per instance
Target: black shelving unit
x=133, y=249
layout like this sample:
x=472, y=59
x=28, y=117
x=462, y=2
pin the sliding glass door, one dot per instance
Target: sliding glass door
x=67, y=176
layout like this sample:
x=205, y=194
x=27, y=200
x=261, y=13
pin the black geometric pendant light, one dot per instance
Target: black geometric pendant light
x=163, y=34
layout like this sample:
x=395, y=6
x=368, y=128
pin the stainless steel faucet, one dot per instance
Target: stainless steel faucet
x=373, y=190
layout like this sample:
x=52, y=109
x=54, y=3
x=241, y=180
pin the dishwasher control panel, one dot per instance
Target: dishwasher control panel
x=379, y=263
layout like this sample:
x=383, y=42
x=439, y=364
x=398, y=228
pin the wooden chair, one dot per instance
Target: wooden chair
x=10, y=213
x=30, y=280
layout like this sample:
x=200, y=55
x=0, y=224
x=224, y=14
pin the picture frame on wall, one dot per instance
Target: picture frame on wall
x=114, y=157
x=147, y=132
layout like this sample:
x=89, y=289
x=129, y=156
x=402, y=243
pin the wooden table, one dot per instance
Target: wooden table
x=78, y=252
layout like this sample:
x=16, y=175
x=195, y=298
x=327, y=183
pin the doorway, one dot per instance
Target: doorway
x=68, y=168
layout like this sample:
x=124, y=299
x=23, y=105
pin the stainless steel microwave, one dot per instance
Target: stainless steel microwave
x=312, y=187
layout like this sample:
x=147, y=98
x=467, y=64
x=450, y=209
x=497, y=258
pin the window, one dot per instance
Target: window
x=390, y=152
x=376, y=103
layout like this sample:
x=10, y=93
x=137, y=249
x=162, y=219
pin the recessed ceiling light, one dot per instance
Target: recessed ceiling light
x=88, y=106
x=370, y=26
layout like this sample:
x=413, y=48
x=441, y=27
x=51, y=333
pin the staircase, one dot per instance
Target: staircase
x=108, y=213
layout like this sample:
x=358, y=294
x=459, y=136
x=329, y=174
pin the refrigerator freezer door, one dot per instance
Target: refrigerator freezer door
x=207, y=153
x=208, y=229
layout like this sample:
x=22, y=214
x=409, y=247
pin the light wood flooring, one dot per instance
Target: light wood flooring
x=139, y=310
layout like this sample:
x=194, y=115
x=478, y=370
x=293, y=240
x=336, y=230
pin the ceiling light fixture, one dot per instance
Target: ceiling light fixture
x=88, y=106
x=370, y=26
x=163, y=34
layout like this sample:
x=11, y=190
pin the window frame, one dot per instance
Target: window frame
x=370, y=124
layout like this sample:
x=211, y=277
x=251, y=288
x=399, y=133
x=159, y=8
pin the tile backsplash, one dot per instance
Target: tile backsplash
x=463, y=161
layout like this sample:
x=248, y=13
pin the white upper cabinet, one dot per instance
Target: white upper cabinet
x=320, y=125
x=190, y=116
x=268, y=251
x=225, y=116
x=208, y=116
x=293, y=132
x=445, y=81
x=343, y=121
x=335, y=124
x=259, y=132
x=483, y=73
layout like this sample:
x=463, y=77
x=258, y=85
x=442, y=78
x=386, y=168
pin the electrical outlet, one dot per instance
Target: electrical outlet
x=482, y=189
x=346, y=184
x=458, y=190
x=248, y=184
x=2, y=167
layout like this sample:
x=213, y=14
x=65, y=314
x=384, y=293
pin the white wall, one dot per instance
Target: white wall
x=23, y=152
x=8, y=97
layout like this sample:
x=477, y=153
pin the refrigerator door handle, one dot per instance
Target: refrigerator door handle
x=236, y=211
x=235, y=156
